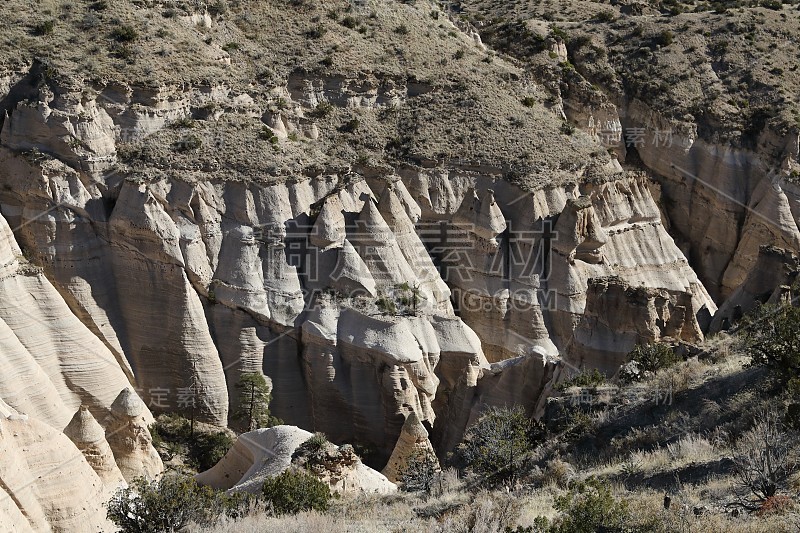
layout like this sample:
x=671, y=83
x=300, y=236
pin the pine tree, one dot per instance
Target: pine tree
x=254, y=401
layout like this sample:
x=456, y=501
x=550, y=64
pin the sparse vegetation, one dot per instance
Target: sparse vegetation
x=495, y=447
x=323, y=110
x=45, y=27
x=590, y=506
x=591, y=378
x=665, y=38
x=420, y=473
x=646, y=359
x=174, y=437
x=771, y=335
x=188, y=144
x=294, y=491
x=170, y=504
x=764, y=461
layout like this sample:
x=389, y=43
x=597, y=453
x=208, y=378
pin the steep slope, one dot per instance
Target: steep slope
x=369, y=206
x=52, y=368
x=705, y=99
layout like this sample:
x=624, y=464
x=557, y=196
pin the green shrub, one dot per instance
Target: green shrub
x=349, y=22
x=207, y=449
x=771, y=336
x=267, y=134
x=314, y=450
x=580, y=41
x=172, y=435
x=294, y=491
x=495, y=446
x=558, y=33
x=187, y=144
x=322, y=110
x=419, y=473
x=45, y=28
x=588, y=507
x=387, y=305
x=217, y=8
x=529, y=101
x=350, y=126
x=254, y=400
x=124, y=34
x=317, y=32
x=653, y=357
x=169, y=504
x=183, y=123
x=584, y=379
x=665, y=38
x=606, y=16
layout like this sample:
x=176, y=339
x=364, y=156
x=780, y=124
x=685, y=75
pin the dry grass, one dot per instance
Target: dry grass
x=687, y=450
x=484, y=512
x=695, y=508
x=692, y=510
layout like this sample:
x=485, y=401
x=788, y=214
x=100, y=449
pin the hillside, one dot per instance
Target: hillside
x=400, y=217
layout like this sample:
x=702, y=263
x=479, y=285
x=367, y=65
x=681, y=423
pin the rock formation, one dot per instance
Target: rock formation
x=128, y=435
x=773, y=280
x=395, y=240
x=53, y=365
x=412, y=443
x=89, y=437
x=45, y=482
x=265, y=453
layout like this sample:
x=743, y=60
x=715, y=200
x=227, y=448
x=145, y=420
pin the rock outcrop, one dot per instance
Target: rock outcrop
x=46, y=484
x=56, y=375
x=413, y=444
x=723, y=201
x=773, y=280
x=526, y=285
x=89, y=437
x=264, y=453
x=127, y=433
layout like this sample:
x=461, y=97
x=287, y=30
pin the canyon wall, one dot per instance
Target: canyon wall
x=338, y=287
x=72, y=430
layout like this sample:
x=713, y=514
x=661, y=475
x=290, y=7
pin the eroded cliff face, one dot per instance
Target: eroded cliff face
x=397, y=237
x=521, y=265
x=683, y=97
x=197, y=282
x=723, y=201
x=339, y=287
x=58, y=376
